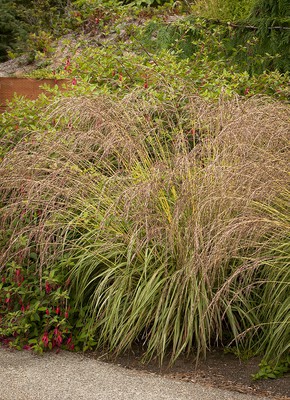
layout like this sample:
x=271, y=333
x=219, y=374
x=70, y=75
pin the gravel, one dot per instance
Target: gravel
x=70, y=376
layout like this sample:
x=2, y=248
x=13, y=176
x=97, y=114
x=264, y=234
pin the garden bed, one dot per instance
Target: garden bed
x=221, y=370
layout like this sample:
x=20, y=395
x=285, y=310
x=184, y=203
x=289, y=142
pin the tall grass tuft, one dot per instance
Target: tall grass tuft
x=165, y=215
x=272, y=285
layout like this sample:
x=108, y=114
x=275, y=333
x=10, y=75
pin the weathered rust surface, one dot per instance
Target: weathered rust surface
x=29, y=88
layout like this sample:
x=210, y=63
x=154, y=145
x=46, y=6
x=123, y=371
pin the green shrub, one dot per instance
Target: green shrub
x=226, y=10
x=11, y=28
x=264, y=23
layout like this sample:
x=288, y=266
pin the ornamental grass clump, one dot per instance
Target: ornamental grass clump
x=163, y=215
x=271, y=288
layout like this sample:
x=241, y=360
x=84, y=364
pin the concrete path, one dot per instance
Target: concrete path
x=70, y=376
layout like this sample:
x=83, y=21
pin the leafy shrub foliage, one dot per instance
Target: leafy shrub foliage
x=273, y=21
x=264, y=23
x=21, y=21
x=10, y=28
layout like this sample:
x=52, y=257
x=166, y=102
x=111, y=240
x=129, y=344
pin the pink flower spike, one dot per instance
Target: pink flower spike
x=74, y=81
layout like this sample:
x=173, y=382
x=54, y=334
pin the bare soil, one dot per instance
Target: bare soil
x=221, y=370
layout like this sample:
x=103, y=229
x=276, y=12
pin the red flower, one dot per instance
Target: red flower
x=47, y=311
x=66, y=314
x=47, y=288
x=22, y=308
x=120, y=77
x=74, y=81
x=57, y=310
x=58, y=340
x=45, y=339
x=70, y=344
x=57, y=337
x=19, y=278
x=6, y=341
x=247, y=90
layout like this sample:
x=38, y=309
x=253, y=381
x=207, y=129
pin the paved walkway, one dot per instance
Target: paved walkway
x=70, y=376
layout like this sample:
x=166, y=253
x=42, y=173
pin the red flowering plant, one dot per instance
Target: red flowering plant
x=35, y=312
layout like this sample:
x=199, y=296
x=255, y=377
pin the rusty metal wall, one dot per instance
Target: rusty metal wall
x=30, y=88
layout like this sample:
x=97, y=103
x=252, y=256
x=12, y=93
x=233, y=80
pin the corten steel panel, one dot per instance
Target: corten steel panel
x=29, y=88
